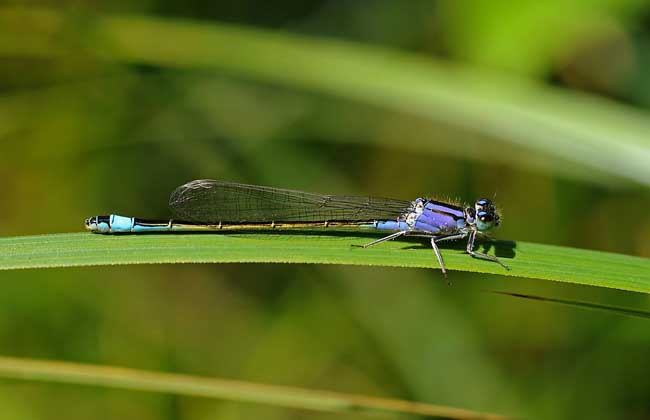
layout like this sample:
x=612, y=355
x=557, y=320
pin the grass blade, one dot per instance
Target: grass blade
x=525, y=259
x=582, y=304
x=140, y=380
x=568, y=127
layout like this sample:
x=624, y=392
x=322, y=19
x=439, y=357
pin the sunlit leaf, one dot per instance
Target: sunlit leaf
x=524, y=259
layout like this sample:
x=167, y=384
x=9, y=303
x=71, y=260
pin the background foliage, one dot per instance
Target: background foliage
x=542, y=103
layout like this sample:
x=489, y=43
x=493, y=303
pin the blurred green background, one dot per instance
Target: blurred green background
x=543, y=104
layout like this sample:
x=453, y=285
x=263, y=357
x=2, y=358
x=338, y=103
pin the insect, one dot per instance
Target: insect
x=209, y=205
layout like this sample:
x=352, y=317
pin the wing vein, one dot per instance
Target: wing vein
x=212, y=201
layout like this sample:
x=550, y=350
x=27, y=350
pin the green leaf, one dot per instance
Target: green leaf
x=524, y=259
x=140, y=380
x=558, y=125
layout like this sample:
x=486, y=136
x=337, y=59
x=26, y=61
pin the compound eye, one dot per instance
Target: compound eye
x=484, y=216
x=484, y=204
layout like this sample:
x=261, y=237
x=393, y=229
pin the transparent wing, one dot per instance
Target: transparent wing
x=211, y=201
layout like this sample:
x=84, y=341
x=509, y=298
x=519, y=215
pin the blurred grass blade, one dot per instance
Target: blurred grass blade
x=525, y=259
x=140, y=380
x=582, y=304
x=595, y=133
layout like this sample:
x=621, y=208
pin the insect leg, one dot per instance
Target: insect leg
x=476, y=254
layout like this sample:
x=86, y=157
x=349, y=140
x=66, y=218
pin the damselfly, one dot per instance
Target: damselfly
x=209, y=205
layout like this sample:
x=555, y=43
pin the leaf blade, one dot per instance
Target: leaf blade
x=565, y=127
x=637, y=313
x=284, y=396
x=546, y=262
